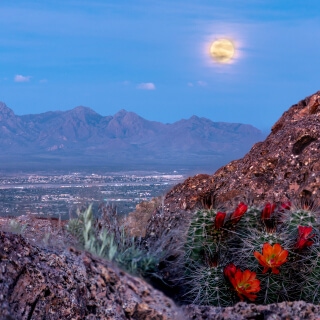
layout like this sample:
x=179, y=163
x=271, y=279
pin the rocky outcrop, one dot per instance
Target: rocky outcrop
x=136, y=221
x=279, y=311
x=283, y=167
x=39, y=283
x=286, y=166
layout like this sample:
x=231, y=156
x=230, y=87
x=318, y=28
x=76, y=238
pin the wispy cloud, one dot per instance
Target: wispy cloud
x=146, y=86
x=21, y=78
x=43, y=81
x=199, y=83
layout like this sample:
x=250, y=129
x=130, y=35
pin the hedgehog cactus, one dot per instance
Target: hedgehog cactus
x=276, y=245
x=205, y=235
x=208, y=286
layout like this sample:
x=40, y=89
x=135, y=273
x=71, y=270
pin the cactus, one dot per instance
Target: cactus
x=207, y=286
x=300, y=217
x=203, y=240
x=308, y=257
x=277, y=246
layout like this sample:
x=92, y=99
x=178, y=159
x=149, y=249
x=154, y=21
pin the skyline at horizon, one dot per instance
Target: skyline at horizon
x=152, y=58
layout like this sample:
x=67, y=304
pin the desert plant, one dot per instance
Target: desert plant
x=105, y=237
x=266, y=255
x=15, y=226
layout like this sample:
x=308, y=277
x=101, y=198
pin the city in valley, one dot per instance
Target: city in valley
x=61, y=195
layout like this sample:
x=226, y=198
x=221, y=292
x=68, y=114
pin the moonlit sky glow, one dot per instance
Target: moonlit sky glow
x=152, y=57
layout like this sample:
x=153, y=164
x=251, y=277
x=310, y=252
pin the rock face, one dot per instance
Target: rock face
x=279, y=311
x=41, y=284
x=285, y=166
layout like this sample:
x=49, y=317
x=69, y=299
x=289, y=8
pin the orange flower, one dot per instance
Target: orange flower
x=304, y=238
x=238, y=213
x=272, y=257
x=245, y=283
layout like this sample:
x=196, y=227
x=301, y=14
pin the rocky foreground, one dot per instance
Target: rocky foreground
x=40, y=283
x=43, y=281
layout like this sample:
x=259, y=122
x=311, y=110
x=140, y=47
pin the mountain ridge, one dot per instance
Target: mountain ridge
x=84, y=135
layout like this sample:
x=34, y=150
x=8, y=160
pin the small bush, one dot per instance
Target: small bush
x=106, y=237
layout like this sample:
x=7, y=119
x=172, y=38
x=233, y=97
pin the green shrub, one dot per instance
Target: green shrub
x=105, y=237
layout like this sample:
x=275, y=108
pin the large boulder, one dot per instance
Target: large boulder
x=286, y=166
x=40, y=283
x=280, y=311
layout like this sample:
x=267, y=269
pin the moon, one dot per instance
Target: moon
x=222, y=50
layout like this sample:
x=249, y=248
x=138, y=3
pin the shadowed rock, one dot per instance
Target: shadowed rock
x=37, y=283
x=283, y=167
x=286, y=166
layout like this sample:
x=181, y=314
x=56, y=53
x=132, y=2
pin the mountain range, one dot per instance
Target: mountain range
x=82, y=137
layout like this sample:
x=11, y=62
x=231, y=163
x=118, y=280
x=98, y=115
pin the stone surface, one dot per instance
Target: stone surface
x=279, y=311
x=286, y=166
x=48, y=283
x=38, y=283
x=136, y=221
x=45, y=232
x=283, y=167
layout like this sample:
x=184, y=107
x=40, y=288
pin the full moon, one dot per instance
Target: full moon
x=222, y=50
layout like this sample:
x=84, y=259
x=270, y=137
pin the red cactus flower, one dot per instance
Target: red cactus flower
x=271, y=257
x=245, y=283
x=285, y=206
x=267, y=211
x=219, y=220
x=229, y=270
x=304, y=237
x=238, y=213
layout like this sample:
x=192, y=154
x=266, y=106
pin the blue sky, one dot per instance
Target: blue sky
x=152, y=57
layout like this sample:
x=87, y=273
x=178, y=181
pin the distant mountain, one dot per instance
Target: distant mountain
x=83, y=137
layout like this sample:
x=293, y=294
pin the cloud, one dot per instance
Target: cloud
x=21, y=78
x=199, y=83
x=43, y=81
x=146, y=86
x=202, y=83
